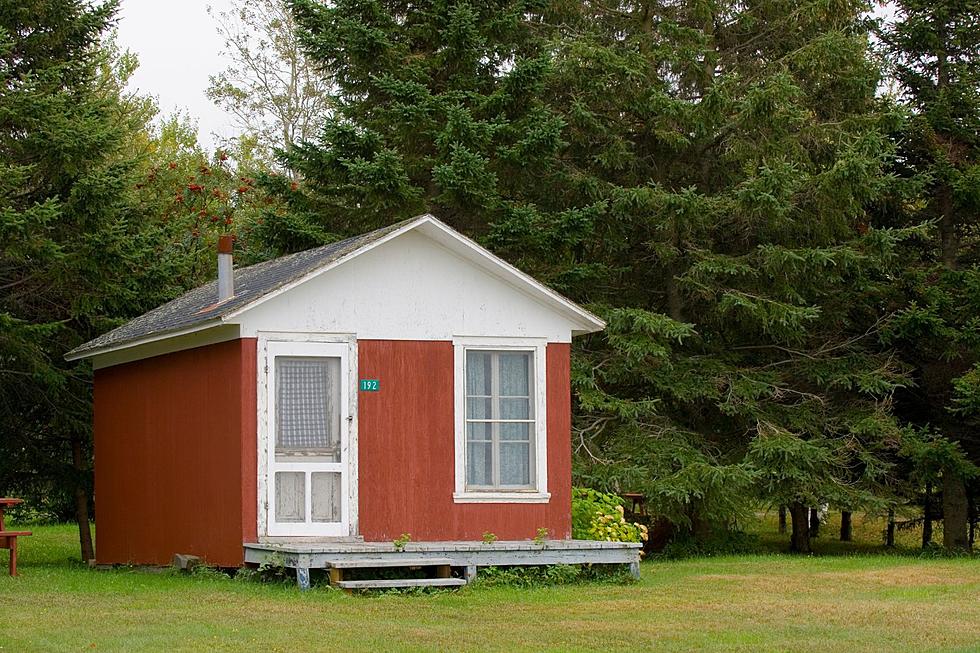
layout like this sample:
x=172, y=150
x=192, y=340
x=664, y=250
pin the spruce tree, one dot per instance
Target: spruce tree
x=935, y=50
x=698, y=173
x=70, y=251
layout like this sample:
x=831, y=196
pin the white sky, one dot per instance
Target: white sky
x=178, y=46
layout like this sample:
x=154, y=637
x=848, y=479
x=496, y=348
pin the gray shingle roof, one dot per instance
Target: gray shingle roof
x=251, y=283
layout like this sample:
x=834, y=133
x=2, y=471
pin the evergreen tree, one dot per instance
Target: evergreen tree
x=935, y=50
x=698, y=173
x=69, y=248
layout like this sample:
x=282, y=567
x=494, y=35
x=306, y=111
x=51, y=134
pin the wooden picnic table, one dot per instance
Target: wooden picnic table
x=8, y=539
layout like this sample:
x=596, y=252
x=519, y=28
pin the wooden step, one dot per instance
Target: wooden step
x=369, y=563
x=399, y=582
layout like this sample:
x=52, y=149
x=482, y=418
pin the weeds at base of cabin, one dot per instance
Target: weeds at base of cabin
x=542, y=536
x=401, y=541
x=489, y=538
x=211, y=573
x=271, y=570
x=551, y=575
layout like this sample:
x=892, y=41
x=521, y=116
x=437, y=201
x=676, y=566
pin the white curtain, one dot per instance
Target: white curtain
x=499, y=387
x=307, y=398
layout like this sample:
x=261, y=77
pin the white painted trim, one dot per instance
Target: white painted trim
x=539, y=494
x=271, y=344
x=503, y=342
x=501, y=497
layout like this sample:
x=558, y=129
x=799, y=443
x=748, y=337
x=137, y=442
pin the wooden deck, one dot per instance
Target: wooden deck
x=466, y=556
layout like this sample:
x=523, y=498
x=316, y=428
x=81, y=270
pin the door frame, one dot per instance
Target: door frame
x=264, y=434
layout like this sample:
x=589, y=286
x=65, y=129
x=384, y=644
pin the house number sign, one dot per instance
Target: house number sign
x=370, y=385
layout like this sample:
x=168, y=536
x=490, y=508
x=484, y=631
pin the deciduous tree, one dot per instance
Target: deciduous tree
x=270, y=86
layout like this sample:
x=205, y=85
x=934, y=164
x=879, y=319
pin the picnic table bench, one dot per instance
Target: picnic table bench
x=8, y=539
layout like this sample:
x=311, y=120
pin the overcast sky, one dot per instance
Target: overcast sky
x=178, y=47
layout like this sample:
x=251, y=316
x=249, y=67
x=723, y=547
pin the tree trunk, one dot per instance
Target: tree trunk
x=845, y=526
x=782, y=519
x=954, y=512
x=949, y=239
x=675, y=304
x=927, y=517
x=700, y=527
x=890, y=529
x=814, y=522
x=81, y=501
x=972, y=517
x=800, y=539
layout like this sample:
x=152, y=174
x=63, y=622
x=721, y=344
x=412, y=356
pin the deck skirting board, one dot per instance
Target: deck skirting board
x=461, y=554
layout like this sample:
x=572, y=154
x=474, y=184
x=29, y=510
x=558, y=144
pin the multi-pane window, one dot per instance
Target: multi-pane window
x=500, y=420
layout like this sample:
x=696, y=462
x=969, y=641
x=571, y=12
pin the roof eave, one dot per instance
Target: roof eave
x=75, y=354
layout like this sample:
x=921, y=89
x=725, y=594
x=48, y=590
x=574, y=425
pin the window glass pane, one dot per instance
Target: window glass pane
x=290, y=497
x=325, y=497
x=478, y=431
x=478, y=372
x=515, y=467
x=499, y=387
x=478, y=408
x=479, y=463
x=514, y=373
x=515, y=409
x=515, y=432
x=308, y=406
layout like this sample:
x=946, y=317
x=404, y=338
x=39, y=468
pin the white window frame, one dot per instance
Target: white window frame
x=271, y=344
x=537, y=346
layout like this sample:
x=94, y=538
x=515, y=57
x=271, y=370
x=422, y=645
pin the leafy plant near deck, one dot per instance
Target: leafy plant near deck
x=600, y=516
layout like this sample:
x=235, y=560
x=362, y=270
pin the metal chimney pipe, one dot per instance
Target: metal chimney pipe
x=226, y=275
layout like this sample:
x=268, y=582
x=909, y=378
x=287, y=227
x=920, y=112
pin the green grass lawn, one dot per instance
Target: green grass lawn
x=852, y=603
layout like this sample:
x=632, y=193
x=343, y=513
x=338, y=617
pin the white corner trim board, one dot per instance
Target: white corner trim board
x=539, y=492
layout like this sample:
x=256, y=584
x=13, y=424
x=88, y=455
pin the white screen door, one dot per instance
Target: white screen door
x=308, y=438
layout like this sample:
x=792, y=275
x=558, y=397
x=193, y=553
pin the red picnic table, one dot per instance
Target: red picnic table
x=8, y=539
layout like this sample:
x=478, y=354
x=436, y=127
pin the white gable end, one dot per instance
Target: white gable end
x=408, y=288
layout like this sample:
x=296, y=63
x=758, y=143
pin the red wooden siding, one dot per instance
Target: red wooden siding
x=406, y=442
x=175, y=454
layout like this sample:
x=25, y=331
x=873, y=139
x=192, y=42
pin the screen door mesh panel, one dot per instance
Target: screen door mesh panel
x=307, y=394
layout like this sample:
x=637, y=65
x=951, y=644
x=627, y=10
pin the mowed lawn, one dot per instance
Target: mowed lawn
x=735, y=603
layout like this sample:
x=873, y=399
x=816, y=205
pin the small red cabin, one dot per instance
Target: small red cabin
x=403, y=381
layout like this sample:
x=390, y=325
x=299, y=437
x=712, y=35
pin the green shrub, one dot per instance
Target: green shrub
x=550, y=575
x=527, y=577
x=600, y=516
